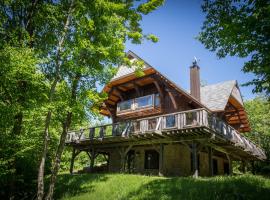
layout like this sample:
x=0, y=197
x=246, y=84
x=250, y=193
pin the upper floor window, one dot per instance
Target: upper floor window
x=125, y=105
x=144, y=101
x=138, y=103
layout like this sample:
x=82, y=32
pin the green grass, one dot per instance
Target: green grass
x=123, y=186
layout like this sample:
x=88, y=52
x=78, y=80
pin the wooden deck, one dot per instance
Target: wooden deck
x=182, y=127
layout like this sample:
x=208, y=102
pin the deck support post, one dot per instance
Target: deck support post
x=161, y=158
x=92, y=159
x=230, y=164
x=252, y=167
x=243, y=166
x=210, y=161
x=123, y=152
x=74, y=154
x=195, y=160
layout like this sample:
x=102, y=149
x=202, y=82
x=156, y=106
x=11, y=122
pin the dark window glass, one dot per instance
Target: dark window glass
x=151, y=159
x=125, y=105
x=170, y=121
x=226, y=168
x=144, y=101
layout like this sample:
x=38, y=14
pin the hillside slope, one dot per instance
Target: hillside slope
x=138, y=187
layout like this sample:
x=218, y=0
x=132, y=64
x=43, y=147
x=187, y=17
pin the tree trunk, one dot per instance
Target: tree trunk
x=61, y=145
x=58, y=156
x=40, y=189
x=17, y=127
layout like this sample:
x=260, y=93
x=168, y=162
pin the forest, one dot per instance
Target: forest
x=55, y=56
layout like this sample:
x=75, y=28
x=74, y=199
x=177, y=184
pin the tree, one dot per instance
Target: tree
x=258, y=111
x=22, y=90
x=99, y=31
x=240, y=28
x=79, y=43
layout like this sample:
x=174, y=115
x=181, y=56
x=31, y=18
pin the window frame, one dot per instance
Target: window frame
x=136, y=107
x=126, y=110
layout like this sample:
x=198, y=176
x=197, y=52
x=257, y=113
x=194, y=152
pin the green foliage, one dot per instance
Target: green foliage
x=258, y=111
x=120, y=186
x=38, y=49
x=22, y=93
x=240, y=28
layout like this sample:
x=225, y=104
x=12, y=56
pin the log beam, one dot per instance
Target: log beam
x=173, y=100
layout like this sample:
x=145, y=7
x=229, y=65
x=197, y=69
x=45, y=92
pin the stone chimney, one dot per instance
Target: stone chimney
x=195, y=80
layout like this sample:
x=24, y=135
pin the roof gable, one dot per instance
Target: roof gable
x=125, y=70
x=216, y=96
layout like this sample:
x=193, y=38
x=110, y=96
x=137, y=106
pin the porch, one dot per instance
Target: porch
x=195, y=129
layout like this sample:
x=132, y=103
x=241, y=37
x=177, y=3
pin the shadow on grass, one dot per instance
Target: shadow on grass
x=76, y=184
x=237, y=188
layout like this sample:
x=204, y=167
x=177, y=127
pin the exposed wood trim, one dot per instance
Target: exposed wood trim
x=137, y=88
x=173, y=100
x=119, y=93
x=135, y=80
x=159, y=89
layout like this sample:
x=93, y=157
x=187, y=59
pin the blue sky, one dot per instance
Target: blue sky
x=176, y=24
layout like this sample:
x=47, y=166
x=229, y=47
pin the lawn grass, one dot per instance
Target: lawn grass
x=138, y=187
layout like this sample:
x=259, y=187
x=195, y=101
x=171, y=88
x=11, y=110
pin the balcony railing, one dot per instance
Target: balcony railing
x=163, y=123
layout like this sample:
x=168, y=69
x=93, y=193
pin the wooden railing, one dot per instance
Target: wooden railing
x=163, y=123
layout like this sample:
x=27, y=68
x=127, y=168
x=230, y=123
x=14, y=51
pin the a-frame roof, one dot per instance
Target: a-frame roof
x=216, y=96
x=221, y=97
x=125, y=74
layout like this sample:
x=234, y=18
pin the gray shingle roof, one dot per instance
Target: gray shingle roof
x=125, y=70
x=216, y=96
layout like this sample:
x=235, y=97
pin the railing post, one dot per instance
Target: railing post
x=91, y=133
x=101, y=132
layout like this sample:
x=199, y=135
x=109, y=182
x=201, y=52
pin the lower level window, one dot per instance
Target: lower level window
x=151, y=159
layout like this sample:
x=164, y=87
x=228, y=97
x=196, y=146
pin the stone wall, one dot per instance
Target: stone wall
x=176, y=157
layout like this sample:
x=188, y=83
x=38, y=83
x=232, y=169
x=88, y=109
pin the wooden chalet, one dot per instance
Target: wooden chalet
x=159, y=128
